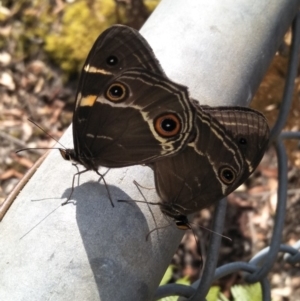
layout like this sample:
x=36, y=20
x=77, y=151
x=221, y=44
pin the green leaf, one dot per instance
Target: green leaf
x=247, y=292
x=167, y=276
x=184, y=281
x=166, y=279
x=222, y=297
x=213, y=293
x=171, y=298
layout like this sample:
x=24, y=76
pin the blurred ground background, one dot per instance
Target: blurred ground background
x=43, y=45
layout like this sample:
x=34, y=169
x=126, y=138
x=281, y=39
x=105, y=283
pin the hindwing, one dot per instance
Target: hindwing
x=229, y=144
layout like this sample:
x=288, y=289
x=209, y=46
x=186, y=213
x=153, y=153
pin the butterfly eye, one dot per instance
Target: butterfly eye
x=112, y=60
x=167, y=125
x=116, y=92
x=227, y=175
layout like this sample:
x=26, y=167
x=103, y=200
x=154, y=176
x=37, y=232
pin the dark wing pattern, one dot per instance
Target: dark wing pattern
x=229, y=145
x=129, y=131
x=117, y=132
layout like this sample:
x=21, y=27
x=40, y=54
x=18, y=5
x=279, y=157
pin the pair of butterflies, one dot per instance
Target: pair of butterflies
x=128, y=112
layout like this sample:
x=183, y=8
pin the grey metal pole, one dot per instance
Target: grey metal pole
x=91, y=251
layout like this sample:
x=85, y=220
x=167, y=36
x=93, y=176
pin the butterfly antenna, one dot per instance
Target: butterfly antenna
x=211, y=231
x=137, y=201
x=155, y=229
x=37, y=125
x=196, y=239
x=39, y=223
x=31, y=148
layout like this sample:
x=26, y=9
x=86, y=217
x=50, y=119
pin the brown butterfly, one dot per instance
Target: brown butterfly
x=229, y=144
x=127, y=111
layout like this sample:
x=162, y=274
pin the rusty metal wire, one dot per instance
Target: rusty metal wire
x=260, y=265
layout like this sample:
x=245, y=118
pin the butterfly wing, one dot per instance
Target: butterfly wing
x=215, y=163
x=141, y=117
x=249, y=130
x=118, y=48
x=116, y=133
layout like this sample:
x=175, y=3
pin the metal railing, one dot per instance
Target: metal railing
x=261, y=264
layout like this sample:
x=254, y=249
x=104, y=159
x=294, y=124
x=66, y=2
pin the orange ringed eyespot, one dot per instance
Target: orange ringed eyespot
x=227, y=175
x=167, y=125
x=116, y=92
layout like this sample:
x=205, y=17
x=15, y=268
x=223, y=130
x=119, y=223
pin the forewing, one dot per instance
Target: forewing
x=123, y=133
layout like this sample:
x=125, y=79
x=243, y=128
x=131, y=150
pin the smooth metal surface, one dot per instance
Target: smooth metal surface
x=91, y=251
x=82, y=251
x=219, y=49
x=290, y=80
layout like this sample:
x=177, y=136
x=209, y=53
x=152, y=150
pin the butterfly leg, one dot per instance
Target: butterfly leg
x=137, y=184
x=73, y=182
x=106, y=186
x=145, y=201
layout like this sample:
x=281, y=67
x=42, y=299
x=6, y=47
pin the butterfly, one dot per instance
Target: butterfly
x=127, y=111
x=229, y=144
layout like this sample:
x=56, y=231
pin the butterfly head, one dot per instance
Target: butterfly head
x=182, y=222
x=68, y=154
x=176, y=212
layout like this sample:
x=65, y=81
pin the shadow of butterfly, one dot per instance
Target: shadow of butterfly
x=229, y=144
x=127, y=111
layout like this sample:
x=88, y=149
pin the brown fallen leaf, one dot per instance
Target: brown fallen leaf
x=11, y=173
